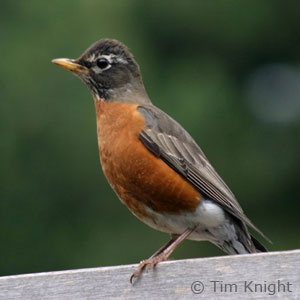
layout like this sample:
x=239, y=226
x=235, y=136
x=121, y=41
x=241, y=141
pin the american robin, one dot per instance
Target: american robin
x=156, y=168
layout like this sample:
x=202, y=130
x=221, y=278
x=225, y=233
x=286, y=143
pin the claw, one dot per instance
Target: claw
x=139, y=270
x=162, y=254
x=149, y=264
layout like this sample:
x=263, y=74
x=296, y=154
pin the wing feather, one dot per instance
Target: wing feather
x=168, y=140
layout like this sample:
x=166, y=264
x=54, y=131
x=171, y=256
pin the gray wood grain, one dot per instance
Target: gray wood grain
x=227, y=277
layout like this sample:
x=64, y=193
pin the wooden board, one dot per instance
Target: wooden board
x=274, y=275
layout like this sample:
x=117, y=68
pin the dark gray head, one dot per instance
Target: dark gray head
x=109, y=71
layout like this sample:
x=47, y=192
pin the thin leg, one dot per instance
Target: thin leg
x=160, y=250
x=162, y=254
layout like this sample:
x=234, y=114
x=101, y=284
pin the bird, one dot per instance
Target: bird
x=153, y=164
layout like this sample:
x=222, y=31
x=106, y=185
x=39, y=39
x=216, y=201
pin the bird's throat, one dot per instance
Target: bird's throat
x=125, y=94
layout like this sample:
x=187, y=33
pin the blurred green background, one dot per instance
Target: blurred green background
x=228, y=71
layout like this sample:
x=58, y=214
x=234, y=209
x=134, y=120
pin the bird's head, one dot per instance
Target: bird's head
x=109, y=71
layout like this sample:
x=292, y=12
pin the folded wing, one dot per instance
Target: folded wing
x=167, y=139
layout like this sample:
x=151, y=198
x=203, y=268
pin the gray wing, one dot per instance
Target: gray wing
x=167, y=139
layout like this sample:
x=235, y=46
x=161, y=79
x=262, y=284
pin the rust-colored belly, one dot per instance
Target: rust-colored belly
x=138, y=177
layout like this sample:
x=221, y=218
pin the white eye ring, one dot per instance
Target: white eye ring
x=102, y=63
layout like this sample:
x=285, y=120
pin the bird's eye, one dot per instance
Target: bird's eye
x=102, y=63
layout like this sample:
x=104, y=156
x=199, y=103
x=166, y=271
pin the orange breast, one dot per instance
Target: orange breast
x=138, y=177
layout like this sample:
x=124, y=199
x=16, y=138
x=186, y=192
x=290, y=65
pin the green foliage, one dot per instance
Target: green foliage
x=198, y=59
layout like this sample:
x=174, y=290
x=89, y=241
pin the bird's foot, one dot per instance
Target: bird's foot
x=148, y=264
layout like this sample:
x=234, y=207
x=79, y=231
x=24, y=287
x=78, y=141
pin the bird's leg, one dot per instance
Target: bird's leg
x=160, y=250
x=162, y=254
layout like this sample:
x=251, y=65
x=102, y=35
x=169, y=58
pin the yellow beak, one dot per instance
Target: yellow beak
x=71, y=65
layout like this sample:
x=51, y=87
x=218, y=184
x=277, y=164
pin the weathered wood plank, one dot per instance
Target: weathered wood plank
x=227, y=277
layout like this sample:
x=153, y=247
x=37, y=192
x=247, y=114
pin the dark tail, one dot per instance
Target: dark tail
x=239, y=240
x=259, y=247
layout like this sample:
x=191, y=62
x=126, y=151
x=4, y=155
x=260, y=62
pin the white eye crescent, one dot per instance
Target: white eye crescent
x=102, y=63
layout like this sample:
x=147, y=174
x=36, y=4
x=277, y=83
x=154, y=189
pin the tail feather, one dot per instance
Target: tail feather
x=259, y=246
x=238, y=240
